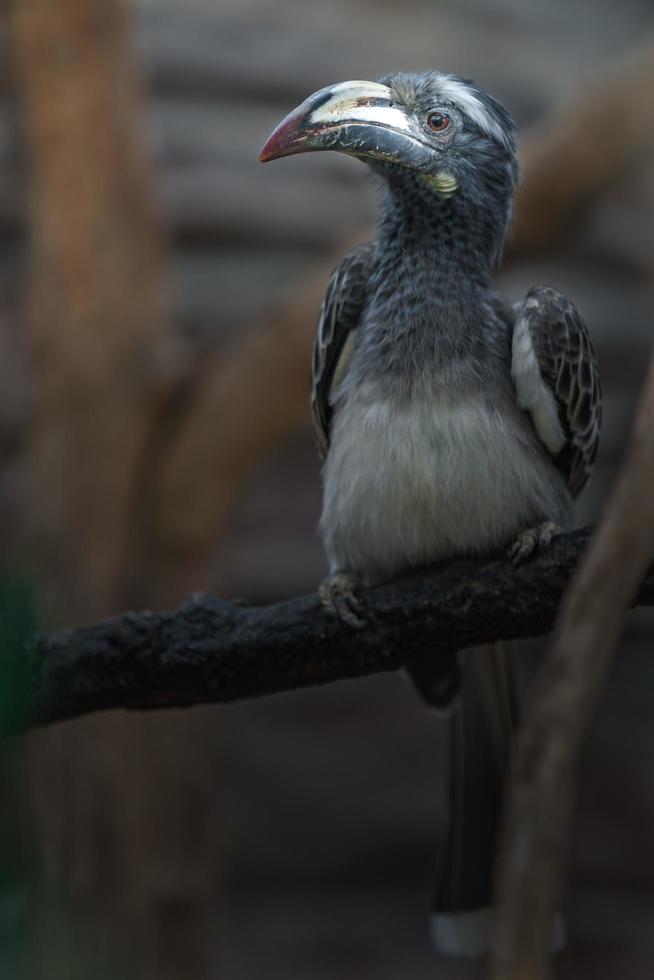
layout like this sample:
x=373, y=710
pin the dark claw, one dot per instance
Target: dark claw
x=532, y=539
x=337, y=594
x=548, y=531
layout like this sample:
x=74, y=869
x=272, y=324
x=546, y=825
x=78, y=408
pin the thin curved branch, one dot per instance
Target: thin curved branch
x=210, y=650
x=536, y=832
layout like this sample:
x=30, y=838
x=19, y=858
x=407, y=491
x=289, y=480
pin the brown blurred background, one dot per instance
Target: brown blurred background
x=158, y=294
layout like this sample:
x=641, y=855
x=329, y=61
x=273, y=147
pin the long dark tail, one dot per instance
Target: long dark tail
x=481, y=724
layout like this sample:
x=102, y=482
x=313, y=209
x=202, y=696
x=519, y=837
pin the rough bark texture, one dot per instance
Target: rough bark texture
x=542, y=790
x=211, y=650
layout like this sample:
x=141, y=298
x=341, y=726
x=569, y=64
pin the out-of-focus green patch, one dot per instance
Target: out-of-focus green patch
x=18, y=623
x=42, y=936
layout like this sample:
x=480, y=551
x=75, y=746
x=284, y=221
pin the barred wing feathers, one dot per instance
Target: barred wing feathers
x=336, y=334
x=555, y=372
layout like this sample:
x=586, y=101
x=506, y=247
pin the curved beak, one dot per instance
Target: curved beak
x=358, y=118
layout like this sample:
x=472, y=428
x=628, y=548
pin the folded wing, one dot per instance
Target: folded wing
x=336, y=334
x=556, y=379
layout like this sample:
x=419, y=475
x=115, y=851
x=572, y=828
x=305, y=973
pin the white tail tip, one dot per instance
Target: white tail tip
x=461, y=933
x=468, y=933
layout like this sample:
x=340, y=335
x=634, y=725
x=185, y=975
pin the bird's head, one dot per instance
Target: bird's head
x=431, y=129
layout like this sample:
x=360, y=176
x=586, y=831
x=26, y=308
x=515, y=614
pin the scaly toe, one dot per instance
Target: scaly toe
x=523, y=546
x=546, y=533
x=532, y=539
x=337, y=594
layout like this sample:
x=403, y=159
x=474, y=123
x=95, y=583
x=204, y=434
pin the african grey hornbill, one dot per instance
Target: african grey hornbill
x=449, y=422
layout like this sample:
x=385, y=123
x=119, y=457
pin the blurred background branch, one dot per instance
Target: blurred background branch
x=557, y=716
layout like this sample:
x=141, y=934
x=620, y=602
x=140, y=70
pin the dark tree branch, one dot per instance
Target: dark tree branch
x=210, y=650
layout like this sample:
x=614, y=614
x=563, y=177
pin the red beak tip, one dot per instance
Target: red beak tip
x=268, y=151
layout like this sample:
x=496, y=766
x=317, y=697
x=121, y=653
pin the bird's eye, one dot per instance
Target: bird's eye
x=438, y=121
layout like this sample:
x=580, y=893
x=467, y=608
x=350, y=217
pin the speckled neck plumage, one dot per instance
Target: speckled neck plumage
x=460, y=234
x=430, y=294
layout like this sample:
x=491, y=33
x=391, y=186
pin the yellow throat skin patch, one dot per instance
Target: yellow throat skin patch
x=445, y=183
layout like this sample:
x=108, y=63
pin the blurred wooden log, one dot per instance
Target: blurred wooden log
x=190, y=134
x=214, y=288
x=247, y=402
x=211, y=650
x=225, y=131
x=203, y=56
x=229, y=203
x=7, y=139
x=12, y=201
x=198, y=59
x=210, y=187
x=235, y=205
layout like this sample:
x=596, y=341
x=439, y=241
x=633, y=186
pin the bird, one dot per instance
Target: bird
x=450, y=422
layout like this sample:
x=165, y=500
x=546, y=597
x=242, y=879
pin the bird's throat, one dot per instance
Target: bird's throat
x=429, y=290
x=424, y=229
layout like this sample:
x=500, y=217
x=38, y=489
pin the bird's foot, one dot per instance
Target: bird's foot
x=533, y=539
x=337, y=593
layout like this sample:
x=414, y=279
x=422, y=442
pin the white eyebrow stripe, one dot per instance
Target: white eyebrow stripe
x=459, y=93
